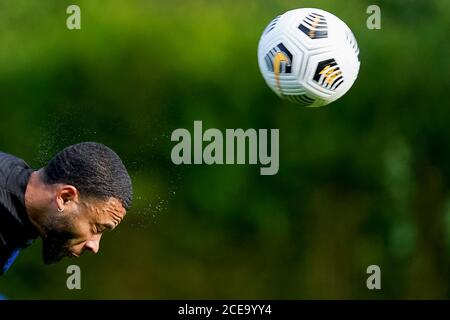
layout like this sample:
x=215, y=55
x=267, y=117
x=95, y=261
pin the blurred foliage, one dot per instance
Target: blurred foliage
x=363, y=181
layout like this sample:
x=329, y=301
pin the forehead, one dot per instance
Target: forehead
x=110, y=209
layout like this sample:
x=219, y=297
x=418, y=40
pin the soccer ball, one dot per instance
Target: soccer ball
x=308, y=56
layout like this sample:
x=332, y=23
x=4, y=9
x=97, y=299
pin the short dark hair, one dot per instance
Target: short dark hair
x=94, y=169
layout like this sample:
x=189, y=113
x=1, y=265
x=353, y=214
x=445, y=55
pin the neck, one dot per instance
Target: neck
x=37, y=199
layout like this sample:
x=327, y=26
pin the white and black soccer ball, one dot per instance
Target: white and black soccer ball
x=308, y=56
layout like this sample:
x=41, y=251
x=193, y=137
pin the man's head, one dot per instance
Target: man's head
x=84, y=190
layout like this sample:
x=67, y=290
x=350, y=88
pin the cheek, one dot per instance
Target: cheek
x=78, y=247
x=82, y=231
x=78, y=229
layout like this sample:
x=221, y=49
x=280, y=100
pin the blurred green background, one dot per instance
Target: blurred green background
x=363, y=181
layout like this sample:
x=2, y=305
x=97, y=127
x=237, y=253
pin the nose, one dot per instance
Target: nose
x=93, y=244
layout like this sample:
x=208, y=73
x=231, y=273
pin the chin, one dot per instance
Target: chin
x=52, y=255
x=54, y=247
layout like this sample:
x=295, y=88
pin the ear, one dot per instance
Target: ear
x=65, y=195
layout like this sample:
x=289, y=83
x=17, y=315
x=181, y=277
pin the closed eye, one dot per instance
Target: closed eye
x=94, y=229
x=106, y=226
x=97, y=229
